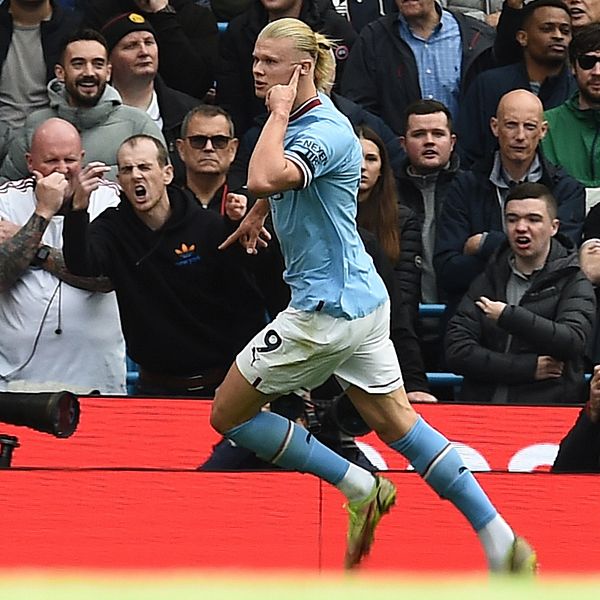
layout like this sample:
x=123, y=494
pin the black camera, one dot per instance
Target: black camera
x=56, y=413
x=337, y=413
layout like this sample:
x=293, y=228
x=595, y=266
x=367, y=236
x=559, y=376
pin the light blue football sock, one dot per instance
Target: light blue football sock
x=276, y=439
x=440, y=465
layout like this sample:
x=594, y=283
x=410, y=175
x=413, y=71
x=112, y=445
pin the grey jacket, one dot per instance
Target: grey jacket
x=102, y=128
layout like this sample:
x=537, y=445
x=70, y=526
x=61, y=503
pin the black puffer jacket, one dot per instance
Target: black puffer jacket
x=579, y=450
x=554, y=318
x=235, y=84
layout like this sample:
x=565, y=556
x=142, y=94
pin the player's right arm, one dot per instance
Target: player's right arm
x=269, y=171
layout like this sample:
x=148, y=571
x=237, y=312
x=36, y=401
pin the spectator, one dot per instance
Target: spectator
x=573, y=127
x=186, y=308
x=470, y=226
x=57, y=331
x=186, y=34
x=30, y=38
x=579, y=451
x=133, y=55
x=235, y=83
x=207, y=148
x=519, y=334
x=427, y=171
x=544, y=36
x=397, y=233
x=423, y=52
x=507, y=50
x=589, y=257
x=80, y=95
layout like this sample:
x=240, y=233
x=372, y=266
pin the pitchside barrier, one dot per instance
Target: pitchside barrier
x=123, y=492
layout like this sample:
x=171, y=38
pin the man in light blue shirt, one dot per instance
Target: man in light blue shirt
x=307, y=163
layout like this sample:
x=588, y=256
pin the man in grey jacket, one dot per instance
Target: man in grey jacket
x=519, y=334
x=80, y=94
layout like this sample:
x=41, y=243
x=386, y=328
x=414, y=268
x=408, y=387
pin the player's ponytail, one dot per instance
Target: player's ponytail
x=305, y=39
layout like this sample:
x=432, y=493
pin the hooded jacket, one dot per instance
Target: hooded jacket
x=185, y=305
x=235, y=84
x=573, y=141
x=102, y=127
x=381, y=72
x=554, y=318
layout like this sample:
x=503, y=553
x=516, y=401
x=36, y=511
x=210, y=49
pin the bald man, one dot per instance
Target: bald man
x=57, y=331
x=470, y=227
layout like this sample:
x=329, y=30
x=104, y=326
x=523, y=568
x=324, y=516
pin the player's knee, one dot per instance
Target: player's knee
x=218, y=418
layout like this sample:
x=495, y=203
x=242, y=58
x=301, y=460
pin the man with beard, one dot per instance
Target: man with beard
x=506, y=48
x=544, y=36
x=31, y=32
x=79, y=94
x=572, y=138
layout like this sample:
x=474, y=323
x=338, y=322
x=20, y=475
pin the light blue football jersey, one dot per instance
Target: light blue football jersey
x=327, y=266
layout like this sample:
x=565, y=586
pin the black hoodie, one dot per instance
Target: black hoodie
x=185, y=306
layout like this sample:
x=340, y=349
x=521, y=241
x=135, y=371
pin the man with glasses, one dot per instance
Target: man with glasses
x=207, y=148
x=572, y=140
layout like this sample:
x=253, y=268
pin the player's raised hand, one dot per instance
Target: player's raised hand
x=281, y=98
x=86, y=182
x=50, y=193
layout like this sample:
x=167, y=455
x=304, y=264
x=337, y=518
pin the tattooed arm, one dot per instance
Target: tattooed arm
x=17, y=252
x=55, y=264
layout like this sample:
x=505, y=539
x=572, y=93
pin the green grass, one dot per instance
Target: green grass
x=313, y=586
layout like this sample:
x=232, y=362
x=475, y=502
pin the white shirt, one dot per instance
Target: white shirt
x=89, y=352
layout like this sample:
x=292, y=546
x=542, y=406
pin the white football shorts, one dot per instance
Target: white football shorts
x=300, y=350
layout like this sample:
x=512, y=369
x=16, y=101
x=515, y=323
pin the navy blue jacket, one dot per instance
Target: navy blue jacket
x=472, y=207
x=381, y=72
x=475, y=138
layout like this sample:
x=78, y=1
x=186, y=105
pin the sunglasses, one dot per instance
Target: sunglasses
x=587, y=61
x=218, y=142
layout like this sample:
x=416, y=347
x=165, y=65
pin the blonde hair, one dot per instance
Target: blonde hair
x=318, y=46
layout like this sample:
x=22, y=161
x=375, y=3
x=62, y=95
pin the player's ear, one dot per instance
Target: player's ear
x=305, y=66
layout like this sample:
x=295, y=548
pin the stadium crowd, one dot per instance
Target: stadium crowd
x=479, y=125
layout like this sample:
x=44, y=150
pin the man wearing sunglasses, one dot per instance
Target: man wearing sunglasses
x=572, y=140
x=207, y=148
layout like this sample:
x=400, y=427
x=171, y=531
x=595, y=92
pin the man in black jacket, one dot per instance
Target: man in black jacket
x=579, y=450
x=519, y=334
x=422, y=52
x=427, y=171
x=134, y=56
x=186, y=308
x=235, y=83
x=31, y=36
x=185, y=31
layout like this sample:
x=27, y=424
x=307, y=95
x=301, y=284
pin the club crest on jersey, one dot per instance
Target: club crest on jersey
x=186, y=255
